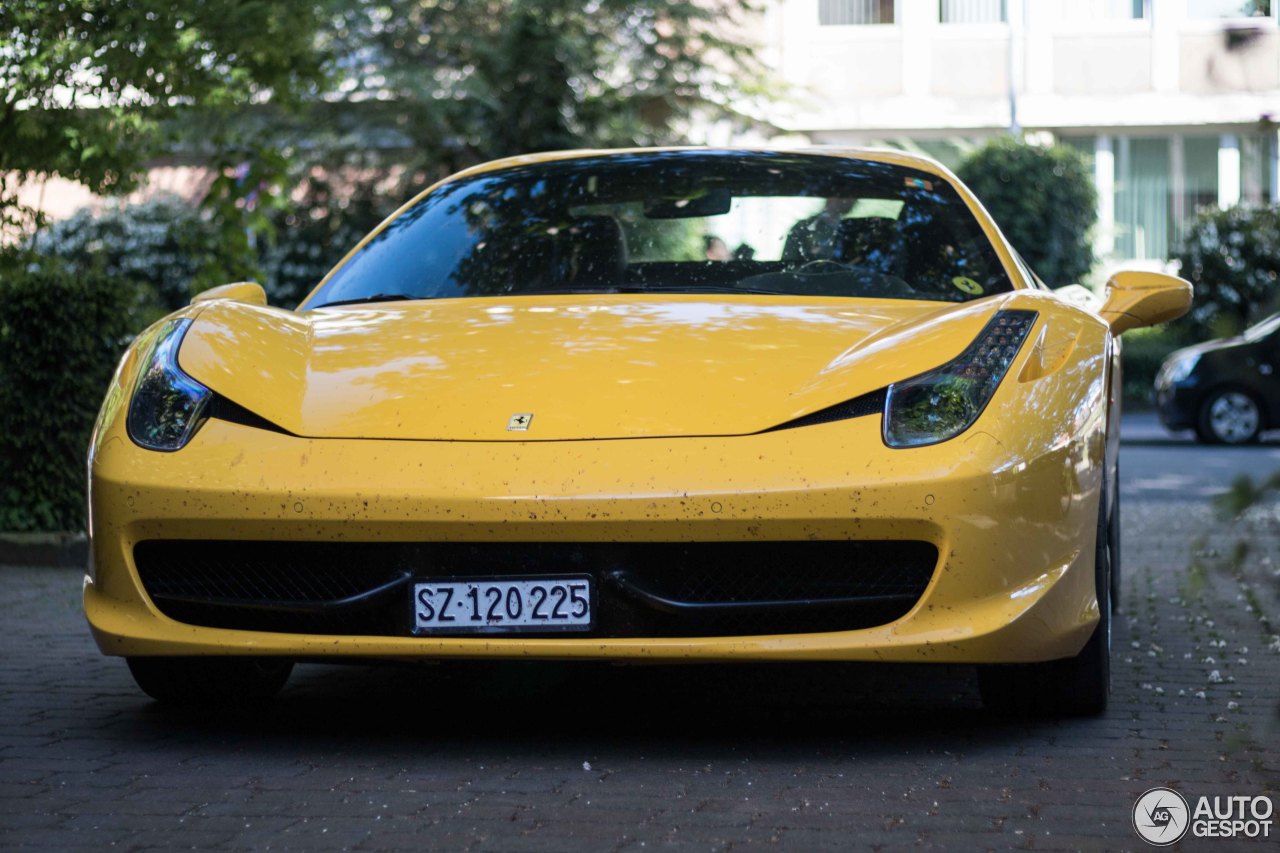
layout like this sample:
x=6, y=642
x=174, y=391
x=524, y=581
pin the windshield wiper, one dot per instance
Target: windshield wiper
x=705, y=288
x=375, y=297
x=639, y=288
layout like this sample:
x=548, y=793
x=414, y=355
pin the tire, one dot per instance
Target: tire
x=210, y=680
x=1113, y=543
x=1229, y=416
x=1074, y=687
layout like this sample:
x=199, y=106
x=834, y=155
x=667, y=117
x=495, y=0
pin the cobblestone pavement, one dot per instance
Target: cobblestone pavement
x=507, y=757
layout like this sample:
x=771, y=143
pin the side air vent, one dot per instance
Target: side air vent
x=225, y=410
x=867, y=404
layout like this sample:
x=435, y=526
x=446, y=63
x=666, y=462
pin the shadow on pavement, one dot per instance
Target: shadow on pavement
x=471, y=708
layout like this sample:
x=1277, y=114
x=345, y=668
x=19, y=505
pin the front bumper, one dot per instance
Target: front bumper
x=1014, y=525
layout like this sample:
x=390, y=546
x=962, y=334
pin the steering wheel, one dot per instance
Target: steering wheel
x=822, y=265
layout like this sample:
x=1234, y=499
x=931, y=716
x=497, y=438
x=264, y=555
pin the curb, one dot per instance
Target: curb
x=61, y=550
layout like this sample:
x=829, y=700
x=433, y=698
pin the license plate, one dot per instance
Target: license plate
x=500, y=605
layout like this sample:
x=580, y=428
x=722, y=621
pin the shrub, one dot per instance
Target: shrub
x=316, y=231
x=1142, y=353
x=61, y=333
x=168, y=248
x=1044, y=201
x=1232, y=257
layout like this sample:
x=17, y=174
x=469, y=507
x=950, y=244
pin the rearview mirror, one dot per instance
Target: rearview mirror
x=240, y=291
x=710, y=203
x=1137, y=298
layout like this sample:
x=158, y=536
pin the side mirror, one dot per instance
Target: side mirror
x=240, y=291
x=1137, y=298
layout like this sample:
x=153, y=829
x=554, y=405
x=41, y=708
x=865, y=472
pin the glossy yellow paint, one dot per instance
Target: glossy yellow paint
x=399, y=415
x=1137, y=298
x=237, y=291
x=649, y=365
x=1012, y=519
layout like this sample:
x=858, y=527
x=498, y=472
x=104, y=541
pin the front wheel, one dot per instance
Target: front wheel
x=210, y=680
x=1229, y=416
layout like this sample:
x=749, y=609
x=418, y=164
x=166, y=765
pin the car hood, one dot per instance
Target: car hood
x=1208, y=347
x=584, y=367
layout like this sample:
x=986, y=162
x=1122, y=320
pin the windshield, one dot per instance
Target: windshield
x=681, y=221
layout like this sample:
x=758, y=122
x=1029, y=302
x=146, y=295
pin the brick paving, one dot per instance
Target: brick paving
x=559, y=757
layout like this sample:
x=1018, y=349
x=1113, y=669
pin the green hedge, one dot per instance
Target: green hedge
x=1142, y=353
x=1043, y=200
x=167, y=249
x=61, y=335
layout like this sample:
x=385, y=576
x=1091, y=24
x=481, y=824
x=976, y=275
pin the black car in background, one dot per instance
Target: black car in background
x=1228, y=391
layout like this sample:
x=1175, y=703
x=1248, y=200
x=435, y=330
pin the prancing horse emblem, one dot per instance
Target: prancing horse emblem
x=519, y=422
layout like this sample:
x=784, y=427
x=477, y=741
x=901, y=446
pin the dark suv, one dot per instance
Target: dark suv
x=1228, y=391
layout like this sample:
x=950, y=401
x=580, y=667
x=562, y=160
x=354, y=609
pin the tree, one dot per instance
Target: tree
x=1232, y=258
x=433, y=86
x=480, y=79
x=406, y=92
x=1044, y=201
x=90, y=89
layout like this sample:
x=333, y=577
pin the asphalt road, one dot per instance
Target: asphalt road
x=1157, y=465
x=559, y=757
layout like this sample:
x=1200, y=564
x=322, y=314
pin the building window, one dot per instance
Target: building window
x=1196, y=188
x=972, y=11
x=1213, y=9
x=1144, y=197
x=1258, y=163
x=839, y=13
x=1106, y=10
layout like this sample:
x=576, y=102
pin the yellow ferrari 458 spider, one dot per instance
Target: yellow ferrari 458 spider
x=643, y=405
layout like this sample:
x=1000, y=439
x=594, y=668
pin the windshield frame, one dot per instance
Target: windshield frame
x=1003, y=255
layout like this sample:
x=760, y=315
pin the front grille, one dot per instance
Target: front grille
x=644, y=589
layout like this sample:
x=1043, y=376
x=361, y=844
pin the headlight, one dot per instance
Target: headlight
x=1177, y=369
x=168, y=405
x=943, y=403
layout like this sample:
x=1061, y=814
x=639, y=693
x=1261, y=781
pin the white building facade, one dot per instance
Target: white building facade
x=1176, y=102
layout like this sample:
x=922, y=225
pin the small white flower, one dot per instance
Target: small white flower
x=1215, y=677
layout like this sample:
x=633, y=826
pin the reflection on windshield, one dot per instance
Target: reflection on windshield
x=681, y=221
